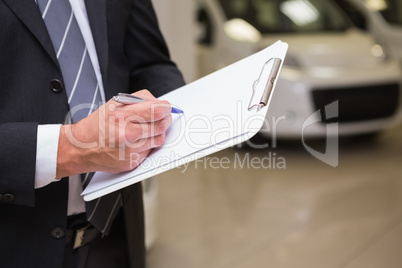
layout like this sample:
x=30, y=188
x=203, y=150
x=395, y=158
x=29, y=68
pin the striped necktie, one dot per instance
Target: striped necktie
x=82, y=90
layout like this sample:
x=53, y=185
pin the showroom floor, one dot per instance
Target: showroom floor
x=295, y=212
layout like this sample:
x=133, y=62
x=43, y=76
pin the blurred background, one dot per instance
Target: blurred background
x=292, y=210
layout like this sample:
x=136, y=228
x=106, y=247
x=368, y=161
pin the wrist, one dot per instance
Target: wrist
x=70, y=155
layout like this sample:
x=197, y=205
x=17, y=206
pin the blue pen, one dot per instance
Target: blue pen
x=131, y=99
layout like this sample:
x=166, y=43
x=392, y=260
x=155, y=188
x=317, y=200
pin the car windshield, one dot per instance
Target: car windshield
x=285, y=16
x=391, y=10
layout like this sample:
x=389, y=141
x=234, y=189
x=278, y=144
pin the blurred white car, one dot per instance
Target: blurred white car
x=383, y=18
x=328, y=60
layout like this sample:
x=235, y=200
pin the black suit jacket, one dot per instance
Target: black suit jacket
x=132, y=56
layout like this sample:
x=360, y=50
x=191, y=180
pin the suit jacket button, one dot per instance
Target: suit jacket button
x=8, y=197
x=57, y=233
x=56, y=86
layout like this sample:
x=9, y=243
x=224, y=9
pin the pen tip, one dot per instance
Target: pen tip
x=176, y=111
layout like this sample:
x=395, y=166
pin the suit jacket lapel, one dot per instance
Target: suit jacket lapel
x=28, y=12
x=96, y=11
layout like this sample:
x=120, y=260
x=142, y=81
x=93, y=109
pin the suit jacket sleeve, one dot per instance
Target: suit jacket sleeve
x=149, y=60
x=17, y=163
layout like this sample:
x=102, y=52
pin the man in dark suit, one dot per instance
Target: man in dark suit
x=38, y=228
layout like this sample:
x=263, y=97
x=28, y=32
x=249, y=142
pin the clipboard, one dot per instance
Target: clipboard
x=221, y=110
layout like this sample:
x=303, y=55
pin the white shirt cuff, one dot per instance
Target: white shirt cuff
x=46, y=154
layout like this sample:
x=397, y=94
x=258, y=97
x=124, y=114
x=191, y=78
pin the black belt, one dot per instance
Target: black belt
x=81, y=237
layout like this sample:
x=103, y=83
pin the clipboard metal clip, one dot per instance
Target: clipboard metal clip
x=268, y=86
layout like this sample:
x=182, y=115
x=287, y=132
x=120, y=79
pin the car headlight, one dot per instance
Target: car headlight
x=379, y=52
x=241, y=30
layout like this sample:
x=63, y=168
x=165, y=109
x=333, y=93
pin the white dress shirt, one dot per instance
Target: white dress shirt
x=48, y=135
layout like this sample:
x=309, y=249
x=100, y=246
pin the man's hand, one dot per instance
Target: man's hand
x=114, y=138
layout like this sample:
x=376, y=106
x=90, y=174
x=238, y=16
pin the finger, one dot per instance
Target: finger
x=154, y=103
x=135, y=132
x=147, y=144
x=148, y=111
x=144, y=94
x=137, y=158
